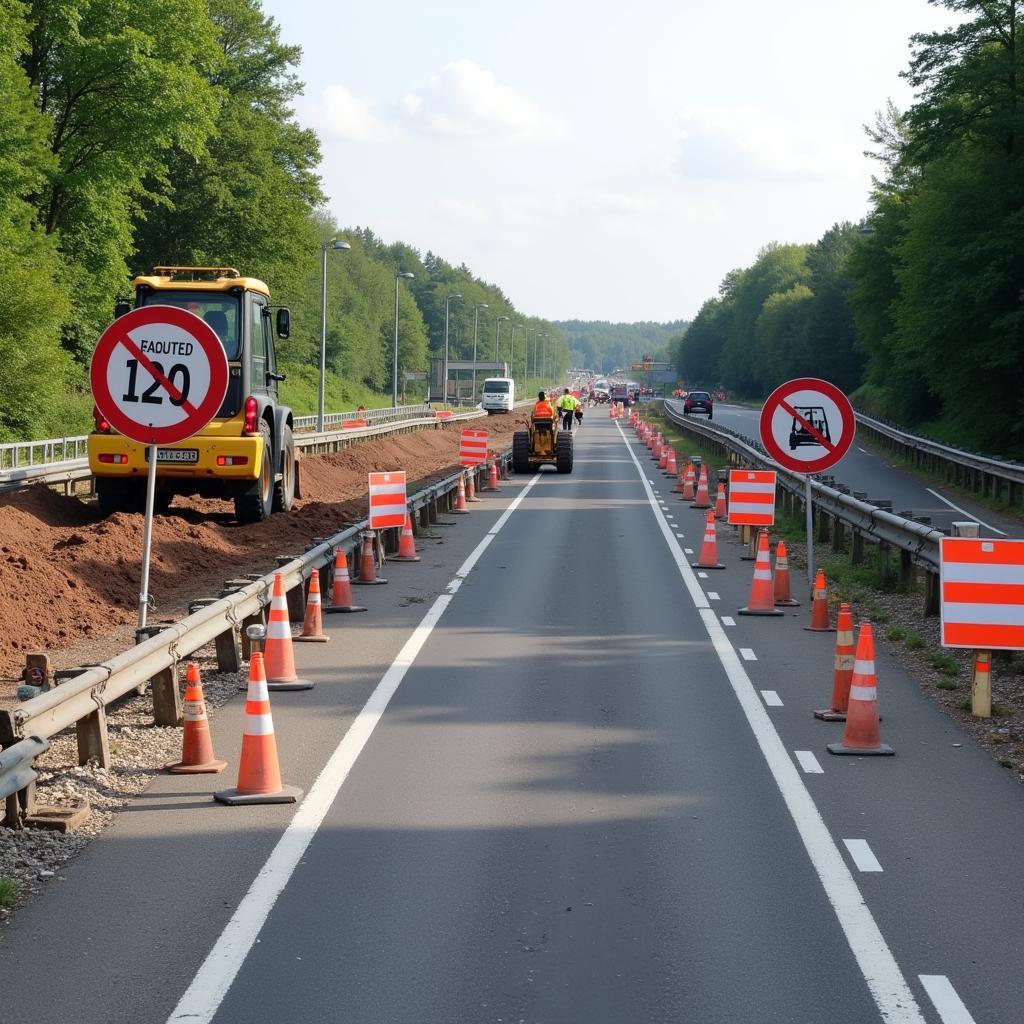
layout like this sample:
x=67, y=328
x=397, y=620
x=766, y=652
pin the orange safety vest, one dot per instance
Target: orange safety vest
x=543, y=410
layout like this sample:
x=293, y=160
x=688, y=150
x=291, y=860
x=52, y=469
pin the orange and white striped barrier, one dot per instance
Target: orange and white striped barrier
x=472, y=447
x=751, y=497
x=762, y=593
x=820, y=622
x=981, y=583
x=278, y=655
x=842, y=675
x=313, y=622
x=341, y=590
x=783, y=595
x=709, y=549
x=259, y=774
x=406, y=544
x=197, y=757
x=387, y=500
x=862, y=736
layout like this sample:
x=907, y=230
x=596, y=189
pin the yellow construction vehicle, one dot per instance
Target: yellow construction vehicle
x=543, y=444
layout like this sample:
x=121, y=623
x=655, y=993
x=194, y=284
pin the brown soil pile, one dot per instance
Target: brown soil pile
x=68, y=575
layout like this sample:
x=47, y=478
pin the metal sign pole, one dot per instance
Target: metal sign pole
x=147, y=535
x=809, y=502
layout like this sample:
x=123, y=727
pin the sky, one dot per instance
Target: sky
x=599, y=159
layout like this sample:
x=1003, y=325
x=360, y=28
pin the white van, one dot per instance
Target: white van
x=499, y=395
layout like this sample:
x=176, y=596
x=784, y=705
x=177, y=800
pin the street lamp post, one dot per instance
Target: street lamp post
x=394, y=361
x=476, y=331
x=336, y=245
x=444, y=386
x=512, y=351
x=497, y=331
x=526, y=354
x=544, y=357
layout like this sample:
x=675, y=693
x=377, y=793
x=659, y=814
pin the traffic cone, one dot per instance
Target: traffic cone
x=783, y=597
x=368, y=561
x=312, y=624
x=460, y=497
x=762, y=596
x=843, y=674
x=407, y=543
x=721, y=509
x=663, y=458
x=670, y=464
x=471, y=486
x=259, y=775
x=709, y=549
x=686, y=483
x=341, y=592
x=197, y=755
x=492, y=476
x=981, y=685
x=278, y=656
x=703, y=498
x=611, y=410
x=861, y=735
x=819, y=607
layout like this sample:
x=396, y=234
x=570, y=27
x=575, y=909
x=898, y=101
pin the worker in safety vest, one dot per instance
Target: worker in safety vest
x=567, y=406
x=542, y=410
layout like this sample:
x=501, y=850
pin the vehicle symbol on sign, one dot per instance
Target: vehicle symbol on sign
x=810, y=426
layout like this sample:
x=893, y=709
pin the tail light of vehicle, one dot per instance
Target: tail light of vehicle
x=251, y=424
x=232, y=460
x=113, y=460
x=102, y=426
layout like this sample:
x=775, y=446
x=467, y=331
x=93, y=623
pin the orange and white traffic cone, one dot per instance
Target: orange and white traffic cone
x=197, y=757
x=843, y=673
x=762, y=594
x=471, y=486
x=861, y=735
x=460, y=497
x=492, y=476
x=406, y=543
x=981, y=685
x=259, y=774
x=341, y=591
x=721, y=508
x=278, y=656
x=663, y=458
x=703, y=497
x=783, y=597
x=611, y=410
x=368, y=560
x=313, y=623
x=819, y=607
x=670, y=463
x=685, y=484
x=709, y=549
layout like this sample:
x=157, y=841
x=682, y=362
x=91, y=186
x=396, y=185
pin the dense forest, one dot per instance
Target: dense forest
x=919, y=309
x=602, y=346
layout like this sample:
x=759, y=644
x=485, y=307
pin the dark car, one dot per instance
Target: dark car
x=698, y=401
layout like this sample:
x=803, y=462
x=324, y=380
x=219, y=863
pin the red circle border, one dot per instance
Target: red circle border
x=831, y=392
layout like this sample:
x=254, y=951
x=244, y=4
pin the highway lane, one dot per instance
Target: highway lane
x=864, y=470
x=563, y=814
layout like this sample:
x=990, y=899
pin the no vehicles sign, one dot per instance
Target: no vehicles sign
x=159, y=374
x=807, y=425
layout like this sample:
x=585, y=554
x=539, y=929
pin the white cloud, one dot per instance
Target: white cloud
x=341, y=114
x=744, y=143
x=465, y=101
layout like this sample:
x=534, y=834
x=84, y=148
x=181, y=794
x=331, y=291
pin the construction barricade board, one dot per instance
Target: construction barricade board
x=473, y=448
x=982, y=593
x=387, y=500
x=751, y=497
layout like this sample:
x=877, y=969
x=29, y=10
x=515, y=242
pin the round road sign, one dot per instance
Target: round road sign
x=159, y=374
x=807, y=425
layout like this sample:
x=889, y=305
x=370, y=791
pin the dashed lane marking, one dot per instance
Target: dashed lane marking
x=964, y=512
x=942, y=994
x=747, y=654
x=862, y=855
x=713, y=596
x=728, y=620
x=772, y=699
x=809, y=762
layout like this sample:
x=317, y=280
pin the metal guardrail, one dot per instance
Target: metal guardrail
x=16, y=768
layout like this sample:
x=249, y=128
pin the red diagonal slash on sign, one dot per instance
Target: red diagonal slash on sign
x=147, y=364
x=810, y=430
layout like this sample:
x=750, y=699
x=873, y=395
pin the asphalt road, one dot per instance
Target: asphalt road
x=566, y=783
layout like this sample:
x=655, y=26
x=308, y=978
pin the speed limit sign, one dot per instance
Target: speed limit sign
x=159, y=374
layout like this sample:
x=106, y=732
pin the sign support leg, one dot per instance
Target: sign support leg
x=147, y=535
x=809, y=503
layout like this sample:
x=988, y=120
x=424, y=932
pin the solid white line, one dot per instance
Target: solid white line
x=941, y=992
x=214, y=978
x=877, y=964
x=862, y=855
x=728, y=620
x=747, y=654
x=809, y=762
x=962, y=511
x=772, y=699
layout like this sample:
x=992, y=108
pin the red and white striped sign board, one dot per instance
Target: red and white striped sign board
x=387, y=500
x=982, y=586
x=473, y=447
x=751, y=497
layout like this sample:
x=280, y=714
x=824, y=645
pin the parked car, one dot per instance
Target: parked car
x=698, y=401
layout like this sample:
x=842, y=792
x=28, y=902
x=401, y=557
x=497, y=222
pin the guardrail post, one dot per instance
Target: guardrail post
x=838, y=535
x=856, y=547
x=823, y=525
x=884, y=560
x=907, y=572
x=93, y=741
x=296, y=606
x=931, y=593
x=167, y=707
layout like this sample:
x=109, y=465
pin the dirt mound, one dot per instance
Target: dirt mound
x=68, y=575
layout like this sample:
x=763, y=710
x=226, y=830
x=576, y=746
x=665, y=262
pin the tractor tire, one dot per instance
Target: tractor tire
x=256, y=504
x=563, y=453
x=521, y=451
x=284, y=489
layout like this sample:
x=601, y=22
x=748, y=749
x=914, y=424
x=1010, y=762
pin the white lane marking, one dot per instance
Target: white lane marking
x=964, y=512
x=772, y=699
x=864, y=450
x=689, y=551
x=941, y=992
x=747, y=654
x=702, y=575
x=217, y=972
x=713, y=595
x=862, y=855
x=877, y=964
x=728, y=620
x=809, y=762
x=680, y=535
